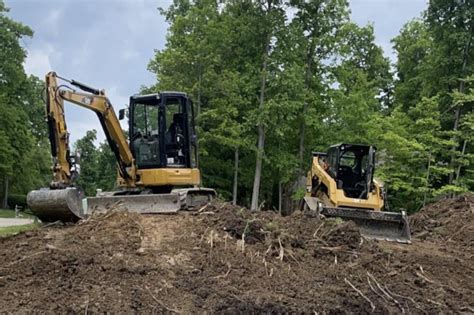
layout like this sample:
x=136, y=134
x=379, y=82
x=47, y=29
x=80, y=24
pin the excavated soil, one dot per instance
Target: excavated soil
x=225, y=259
x=448, y=221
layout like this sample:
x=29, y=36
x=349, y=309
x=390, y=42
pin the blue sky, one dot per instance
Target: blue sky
x=108, y=43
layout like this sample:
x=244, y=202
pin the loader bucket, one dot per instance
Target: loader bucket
x=381, y=225
x=51, y=205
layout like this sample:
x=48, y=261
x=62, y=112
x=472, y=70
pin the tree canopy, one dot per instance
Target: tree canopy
x=276, y=85
x=274, y=80
x=24, y=157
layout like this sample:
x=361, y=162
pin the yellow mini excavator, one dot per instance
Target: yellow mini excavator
x=157, y=167
x=341, y=184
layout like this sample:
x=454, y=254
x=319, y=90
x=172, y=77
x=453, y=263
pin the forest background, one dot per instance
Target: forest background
x=273, y=81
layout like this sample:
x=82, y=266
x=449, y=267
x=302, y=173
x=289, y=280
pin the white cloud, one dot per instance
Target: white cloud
x=116, y=97
x=80, y=120
x=52, y=20
x=78, y=129
x=128, y=54
x=119, y=101
x=142, y=16
x=38, y=62
x=81, y=55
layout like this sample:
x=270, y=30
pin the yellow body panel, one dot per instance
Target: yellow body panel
x=336, y=196
x=55, y=111
x=168, y=176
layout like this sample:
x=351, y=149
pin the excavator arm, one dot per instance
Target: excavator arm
x=58, y=135
x=63, y=200
x=96, y=101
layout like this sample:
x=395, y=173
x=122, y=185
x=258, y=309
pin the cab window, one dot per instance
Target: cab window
x=348, y=159
x=145, y=120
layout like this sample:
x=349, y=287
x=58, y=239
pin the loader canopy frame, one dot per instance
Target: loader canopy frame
x=352, y=165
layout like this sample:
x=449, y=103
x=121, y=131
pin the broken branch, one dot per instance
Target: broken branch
x=360, y=293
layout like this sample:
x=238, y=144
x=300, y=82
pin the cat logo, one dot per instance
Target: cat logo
x=86, y=100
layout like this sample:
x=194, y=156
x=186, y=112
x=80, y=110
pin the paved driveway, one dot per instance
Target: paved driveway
x=11, y=222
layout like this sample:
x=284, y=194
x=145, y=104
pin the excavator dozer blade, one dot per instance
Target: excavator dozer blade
x=381, y=225
x=177, y=200
x=51, y=205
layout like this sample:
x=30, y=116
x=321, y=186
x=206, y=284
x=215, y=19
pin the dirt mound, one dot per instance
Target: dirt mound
x=449, y=220
x=226, y=259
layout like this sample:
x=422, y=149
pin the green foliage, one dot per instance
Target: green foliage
x=304, y=81
x=106, y=167
x=434, y=58
x=412, y=47
x=89, y=166
x=17, y=200
x=24, y=157
x=326, y=82
x=11, y=213
x=98, y=165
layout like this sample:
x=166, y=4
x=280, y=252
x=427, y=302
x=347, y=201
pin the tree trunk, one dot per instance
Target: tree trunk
x=258, y=168
x=261, y=130
x=309, y=63
x=458, y=171
x=302, y=136
x=427, y=177
x=236, y=174
x=280, y=192
x=457, y=113
x=5, y=192
x=196, y=119
x=198, y=109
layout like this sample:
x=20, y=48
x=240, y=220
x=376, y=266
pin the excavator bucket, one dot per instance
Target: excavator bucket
x=381, y=225
x=51, y=205
x=177, y=200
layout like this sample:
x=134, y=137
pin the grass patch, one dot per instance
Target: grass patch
x=13, y=230
x=8, y=213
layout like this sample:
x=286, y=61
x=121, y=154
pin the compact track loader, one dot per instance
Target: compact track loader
x=157, y=165
x=341, y=184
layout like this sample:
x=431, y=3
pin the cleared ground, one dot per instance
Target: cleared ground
x=226, y=259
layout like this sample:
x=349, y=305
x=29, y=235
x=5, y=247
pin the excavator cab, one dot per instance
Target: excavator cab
x=162, y=131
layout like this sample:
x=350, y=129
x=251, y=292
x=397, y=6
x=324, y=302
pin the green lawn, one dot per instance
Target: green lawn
x=13, y=230
x=8, y=213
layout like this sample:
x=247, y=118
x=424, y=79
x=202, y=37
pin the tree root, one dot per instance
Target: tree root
x=361, y=294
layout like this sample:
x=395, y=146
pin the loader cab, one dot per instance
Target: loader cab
x=161, y=131
x=352, y=166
